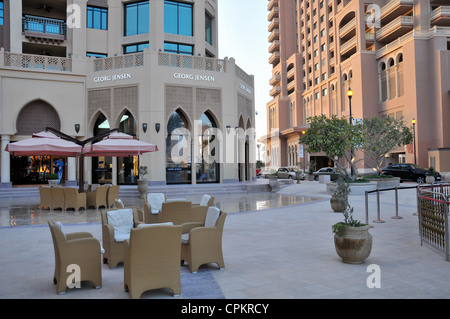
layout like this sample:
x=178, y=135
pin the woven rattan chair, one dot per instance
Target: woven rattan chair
x=202, y=244
x=152, y=206
x=152, y=260
x=58, y=200
x=206, y=200
x=113, y=195
x=74, y=199
x=97, y=198
x=79, y=248
x=46, y=197
x=177, y=212
x=114, y=233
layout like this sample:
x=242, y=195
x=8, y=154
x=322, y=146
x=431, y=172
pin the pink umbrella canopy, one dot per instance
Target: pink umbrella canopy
x=119, y=144
x=44, y=143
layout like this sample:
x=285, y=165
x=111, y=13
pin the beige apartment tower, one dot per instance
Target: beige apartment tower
x=145, y=67
x=394, y=55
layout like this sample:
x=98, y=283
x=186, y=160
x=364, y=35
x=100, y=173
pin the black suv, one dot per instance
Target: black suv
x=409, y=172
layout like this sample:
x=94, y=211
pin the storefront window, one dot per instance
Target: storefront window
x=178, y=148
x=207, y=168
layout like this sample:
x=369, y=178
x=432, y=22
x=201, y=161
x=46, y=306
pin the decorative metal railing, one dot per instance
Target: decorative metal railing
x=43, y=25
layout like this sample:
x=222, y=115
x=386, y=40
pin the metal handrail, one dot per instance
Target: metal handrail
x=43, y=25
x=378, y=190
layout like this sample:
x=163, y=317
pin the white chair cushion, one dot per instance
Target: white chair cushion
x=155, y=224
x=61, y=228
x=122, y=222
x=185, y=238
x=205, y=199
x=121, y=205
x=156, y=200
x=155, y=211
x=211, y=216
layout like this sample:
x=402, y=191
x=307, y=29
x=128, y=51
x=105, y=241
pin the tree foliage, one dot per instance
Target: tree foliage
x=381, y=136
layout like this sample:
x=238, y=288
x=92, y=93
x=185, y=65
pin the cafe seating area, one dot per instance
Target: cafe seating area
x=66, y=198
x=152, y=247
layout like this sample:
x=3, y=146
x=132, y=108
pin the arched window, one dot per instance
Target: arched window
x=400, y=79
x=127, y=167
x=383, y=82
x=101, y=165
x=207, y=167
x=178, y=149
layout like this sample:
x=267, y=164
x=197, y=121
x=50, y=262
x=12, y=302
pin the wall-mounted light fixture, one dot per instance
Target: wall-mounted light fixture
x=228, y=129
x=144, y=127
x=157, y=127
x=77, y=128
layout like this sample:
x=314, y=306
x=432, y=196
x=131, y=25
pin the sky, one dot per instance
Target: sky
x=243, y=35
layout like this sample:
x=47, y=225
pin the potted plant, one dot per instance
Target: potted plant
x=311, y=167
x=142, y=182
x=53, y=179
x=352, y=240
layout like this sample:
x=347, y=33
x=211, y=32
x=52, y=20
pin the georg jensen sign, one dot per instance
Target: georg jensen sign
x=112, y=78
x=194, y=77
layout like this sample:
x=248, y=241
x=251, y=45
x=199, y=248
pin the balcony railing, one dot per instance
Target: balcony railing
x=395, y=28
x=191, y=62
x=43, y=25
x=37, y=62
x=119, y=62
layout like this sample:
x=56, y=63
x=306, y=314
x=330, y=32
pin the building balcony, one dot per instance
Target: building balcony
x=42, y=29
x=290, y=74
x=274, y=58
x=275, y=91
x=438, y=2
x=395, y=29
x=291, y=86
x=349, y=45
x=395, y=8
x=37, y=62
x=272, y=4
x=275, y=24
x=273, y=13
x=275, y=46
x=440, y=16
x=177, y=61
x=274, y=80
x=348, y=30
x=274, y=35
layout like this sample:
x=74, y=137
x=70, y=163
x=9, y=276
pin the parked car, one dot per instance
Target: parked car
x=410, y=172
x=334, y=174
x=287, y=172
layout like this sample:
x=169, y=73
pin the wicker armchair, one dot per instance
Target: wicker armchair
x=74, y=199
x=79, y=248
x=202, y=244
x=177, y=212
x=116, y=227
x=206, y=200
x=152, y=259
x=97, y=198
x=46, y=197
x=152, y=206
x=58, y=200
x=112, y=195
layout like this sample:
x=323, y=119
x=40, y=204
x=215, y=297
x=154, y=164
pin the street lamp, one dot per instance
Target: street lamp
x=414, y=139
x=303, y=147
x=350, y=94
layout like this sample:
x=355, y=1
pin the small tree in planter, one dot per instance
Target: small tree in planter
x=352, y=239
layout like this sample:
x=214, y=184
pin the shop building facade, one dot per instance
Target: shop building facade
x=149, y=68
x=393, y=54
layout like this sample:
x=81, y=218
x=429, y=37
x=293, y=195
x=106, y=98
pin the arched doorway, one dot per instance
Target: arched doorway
x=178, y=149
x=34, y=118
x=207, y=166
x=101, y=165
x=127, y=167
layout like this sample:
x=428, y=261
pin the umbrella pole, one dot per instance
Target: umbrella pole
x=81, y=173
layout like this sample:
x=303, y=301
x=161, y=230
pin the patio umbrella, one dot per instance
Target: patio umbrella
x=119, y=144
x=44, y=143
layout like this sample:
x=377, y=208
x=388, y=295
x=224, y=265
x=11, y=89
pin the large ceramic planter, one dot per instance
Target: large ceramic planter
x=355, y=244
x=336, y=205
x=142, y=187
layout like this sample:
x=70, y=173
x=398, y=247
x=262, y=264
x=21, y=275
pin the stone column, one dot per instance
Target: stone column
x=71, y=172
x=5, y=164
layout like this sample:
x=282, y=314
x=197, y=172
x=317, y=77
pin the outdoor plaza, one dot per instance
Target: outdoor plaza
x=275, y=246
